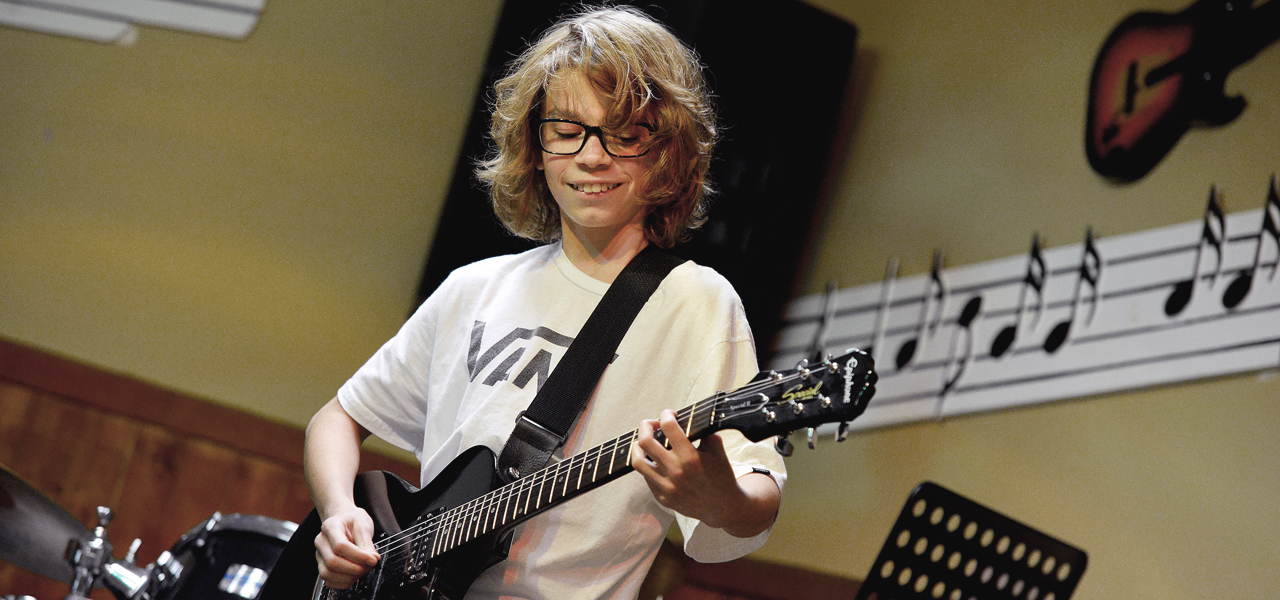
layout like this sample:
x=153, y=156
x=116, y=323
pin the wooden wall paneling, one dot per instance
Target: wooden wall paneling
x=121, y=394
x=163, y=461
x=14, y=400
x=186, y=480
x=74, y=456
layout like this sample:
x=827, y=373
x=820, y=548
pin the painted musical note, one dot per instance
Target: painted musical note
x=882, y=309
x=1212, y=234
x=818, y=347
x=1090, y=272
x=1033, y=280
x=1243, y=283
x=935, y=296
x=956, y=364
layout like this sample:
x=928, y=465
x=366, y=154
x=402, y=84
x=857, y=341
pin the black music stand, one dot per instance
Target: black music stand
x=947, y=547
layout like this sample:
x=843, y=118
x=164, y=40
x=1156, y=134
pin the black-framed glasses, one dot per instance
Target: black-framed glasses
x=565, y=138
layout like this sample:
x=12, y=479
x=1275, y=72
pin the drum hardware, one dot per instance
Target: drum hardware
x=225, y=557
x=93, y=565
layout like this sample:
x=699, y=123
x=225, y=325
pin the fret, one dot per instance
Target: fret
x=510, y=504
x=526, y=493
x=471, y=530
x=496, y=509
x=457, y=529
x=620, y=452
x=547, y=493
x=595, y=463
x=582, y=468
x=482, y=518
x=464, y=523
x=448, y=524
x=522, y=499
x=438, y=540
x=542, y=486
x=560, y=487
x=569, y=476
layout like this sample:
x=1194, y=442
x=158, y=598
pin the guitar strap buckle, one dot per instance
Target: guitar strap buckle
x=528, y=449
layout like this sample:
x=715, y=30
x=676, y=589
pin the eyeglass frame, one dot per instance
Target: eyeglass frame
x=589, y=130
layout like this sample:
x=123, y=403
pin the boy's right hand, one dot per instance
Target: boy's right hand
x=344, y=548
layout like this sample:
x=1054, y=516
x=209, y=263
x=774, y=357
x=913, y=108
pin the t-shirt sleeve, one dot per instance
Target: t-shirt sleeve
x=387, y=394
x=730, y=366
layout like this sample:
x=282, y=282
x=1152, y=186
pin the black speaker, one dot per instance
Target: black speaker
x=779, y=71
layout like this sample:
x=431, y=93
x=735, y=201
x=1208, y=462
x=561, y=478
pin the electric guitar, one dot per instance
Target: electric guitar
x=436, y=541
x=1158, y=74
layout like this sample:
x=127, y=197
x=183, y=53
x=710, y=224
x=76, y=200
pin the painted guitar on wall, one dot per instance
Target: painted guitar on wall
x=1157, y=75
x=434, y=542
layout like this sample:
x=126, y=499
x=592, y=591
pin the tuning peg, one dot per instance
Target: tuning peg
x=784, y=446
x=812, y=435
x=842, y=432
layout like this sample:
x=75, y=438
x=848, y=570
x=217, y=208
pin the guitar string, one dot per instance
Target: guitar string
x=455, y=520
x=473, y=519
x=463, y=523
x=470, y=520
x=459, y=525
x=398, y=557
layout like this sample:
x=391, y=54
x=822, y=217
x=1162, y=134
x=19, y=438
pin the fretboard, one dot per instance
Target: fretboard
x=528, y=496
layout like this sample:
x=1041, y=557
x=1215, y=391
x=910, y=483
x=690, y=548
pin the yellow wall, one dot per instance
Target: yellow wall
x=967, y=138
x=246, y=221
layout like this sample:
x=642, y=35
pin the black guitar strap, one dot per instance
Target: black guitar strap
x=543, y=426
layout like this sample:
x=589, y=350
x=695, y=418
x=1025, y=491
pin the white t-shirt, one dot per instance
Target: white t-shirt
x=473, y=356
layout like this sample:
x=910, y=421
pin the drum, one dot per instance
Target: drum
x=227, y=557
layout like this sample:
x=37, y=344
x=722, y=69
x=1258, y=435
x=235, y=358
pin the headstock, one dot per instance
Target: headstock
x=836, y=390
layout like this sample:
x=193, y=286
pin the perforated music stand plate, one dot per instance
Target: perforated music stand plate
x=947, y=547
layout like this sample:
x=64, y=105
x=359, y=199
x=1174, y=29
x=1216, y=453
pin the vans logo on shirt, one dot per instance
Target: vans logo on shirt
x=511, y=348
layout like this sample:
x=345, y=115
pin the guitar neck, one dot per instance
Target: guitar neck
x=1259, y=29
x=540, y=491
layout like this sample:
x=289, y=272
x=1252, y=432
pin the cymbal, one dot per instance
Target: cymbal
x=34, y=530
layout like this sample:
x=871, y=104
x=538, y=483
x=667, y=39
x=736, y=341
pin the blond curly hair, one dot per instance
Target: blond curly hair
x=650, y=75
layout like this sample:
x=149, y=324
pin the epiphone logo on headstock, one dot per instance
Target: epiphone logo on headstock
x=799, y=393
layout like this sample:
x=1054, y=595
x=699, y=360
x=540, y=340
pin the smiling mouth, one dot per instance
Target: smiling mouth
x=594, y=188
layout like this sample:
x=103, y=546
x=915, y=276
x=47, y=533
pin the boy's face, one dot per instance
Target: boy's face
x=598, y=194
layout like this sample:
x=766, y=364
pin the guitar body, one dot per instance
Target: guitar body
x=395, y=505
x=1157, y=75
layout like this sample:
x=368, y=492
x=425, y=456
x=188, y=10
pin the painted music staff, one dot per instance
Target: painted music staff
x=1103, y=315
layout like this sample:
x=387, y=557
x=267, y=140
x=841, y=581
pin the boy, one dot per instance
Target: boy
x=603, y=132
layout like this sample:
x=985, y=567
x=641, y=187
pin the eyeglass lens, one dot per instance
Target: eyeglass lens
x=567, y=137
